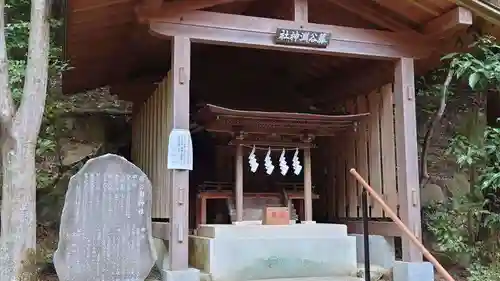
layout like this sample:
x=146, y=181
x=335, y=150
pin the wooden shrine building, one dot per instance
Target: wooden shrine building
x=331, y=78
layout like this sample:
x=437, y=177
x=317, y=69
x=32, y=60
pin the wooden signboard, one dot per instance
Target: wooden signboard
x=302, y=38
x=276, y=216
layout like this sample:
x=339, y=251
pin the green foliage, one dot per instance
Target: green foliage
x=467, y=227
x=429, y=88
x=484, y=273
x=480, y=67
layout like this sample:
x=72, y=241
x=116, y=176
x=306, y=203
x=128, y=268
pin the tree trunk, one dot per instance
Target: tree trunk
x=18, y=240
x=19, y=133
x=424, y=173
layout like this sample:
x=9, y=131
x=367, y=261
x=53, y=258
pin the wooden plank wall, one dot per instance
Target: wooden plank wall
x=150, y=132
x=370, y=148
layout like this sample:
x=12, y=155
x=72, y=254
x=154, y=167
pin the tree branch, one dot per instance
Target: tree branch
x=6, y=103
x=424, y=173
x=29, y=115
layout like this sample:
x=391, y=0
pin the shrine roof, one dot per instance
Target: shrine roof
x=127, y=58
x=224, y=120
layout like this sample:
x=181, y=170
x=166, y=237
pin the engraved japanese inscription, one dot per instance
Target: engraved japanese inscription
x=106, y=224
x=302, y=38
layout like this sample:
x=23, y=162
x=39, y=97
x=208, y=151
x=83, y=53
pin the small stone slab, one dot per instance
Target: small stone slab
x=413, y=271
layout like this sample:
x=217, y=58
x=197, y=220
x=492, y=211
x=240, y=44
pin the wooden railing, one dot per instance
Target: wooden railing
x=366, y=187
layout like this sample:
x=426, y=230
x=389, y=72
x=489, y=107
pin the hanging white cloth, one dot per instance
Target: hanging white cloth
x=268, y=163
x=252, y=161
x=283, y=165
x=297, y=168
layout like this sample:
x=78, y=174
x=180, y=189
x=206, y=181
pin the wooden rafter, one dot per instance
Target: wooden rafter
x=378, y=74
x=100, y=6
x=361, y=8
x=328, y=89
x=253, y=32
x=424, y=8
x=173, y=8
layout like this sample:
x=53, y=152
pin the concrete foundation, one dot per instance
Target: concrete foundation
x=413, y=271
x=252, y=252
x=161, y=253
x=382, y=250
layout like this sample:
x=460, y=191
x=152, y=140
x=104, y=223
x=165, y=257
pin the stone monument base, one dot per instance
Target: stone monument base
x=190, y=274
x=252, y=252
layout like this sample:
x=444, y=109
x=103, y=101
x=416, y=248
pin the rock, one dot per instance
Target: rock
x=74, y=152
x=431, y=193
x=377, y=273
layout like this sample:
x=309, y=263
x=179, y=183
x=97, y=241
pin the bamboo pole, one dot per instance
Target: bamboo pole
x=439, y=268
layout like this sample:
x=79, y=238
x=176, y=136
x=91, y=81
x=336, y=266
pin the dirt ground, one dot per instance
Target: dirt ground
x=459, y=274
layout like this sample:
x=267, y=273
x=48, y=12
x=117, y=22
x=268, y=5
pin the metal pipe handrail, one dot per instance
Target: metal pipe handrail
x=366, y=233
x=439, y=268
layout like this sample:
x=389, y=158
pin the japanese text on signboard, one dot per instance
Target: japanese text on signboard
x=302, y=38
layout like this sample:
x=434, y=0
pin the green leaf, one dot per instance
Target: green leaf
x=473, y=79
x=449, y=56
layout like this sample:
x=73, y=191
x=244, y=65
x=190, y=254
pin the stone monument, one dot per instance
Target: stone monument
x=105, y=231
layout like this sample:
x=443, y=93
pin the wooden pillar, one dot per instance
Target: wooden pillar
x=300, y=11
x=407, y=155
x=238, y=187
x=179, y=199
x=308, y=210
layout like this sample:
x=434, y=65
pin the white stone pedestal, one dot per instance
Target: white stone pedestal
x=252, y=252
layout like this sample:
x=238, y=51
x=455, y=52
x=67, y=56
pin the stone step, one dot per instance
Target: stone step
x=377, y=274
x=328, y=278
x=206, y=277
x=228, y=231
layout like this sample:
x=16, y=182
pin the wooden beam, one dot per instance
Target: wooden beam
x=449, y=23
x=382, y=228
x=308, y=209
x=481, y=8
x=253, y=32
x=179, y=185
x=301, y=11
x=238, y=187
x=407, y=155
x=160, y=230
